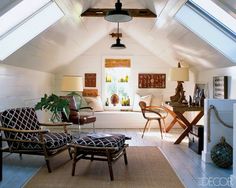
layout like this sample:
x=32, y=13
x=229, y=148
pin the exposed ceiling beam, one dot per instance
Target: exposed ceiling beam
x=101, y=12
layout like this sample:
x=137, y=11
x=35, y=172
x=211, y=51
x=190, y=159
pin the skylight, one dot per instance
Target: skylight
x=19, y=13
x=212, y=24
x=217, y=13
x=25, y=21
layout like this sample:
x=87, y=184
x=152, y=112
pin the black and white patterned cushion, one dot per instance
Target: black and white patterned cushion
x=115, y=140
x=26, y=119
x=52, y=140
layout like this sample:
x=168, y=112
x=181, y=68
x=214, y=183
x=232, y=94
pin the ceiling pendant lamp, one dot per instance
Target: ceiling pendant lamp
x=118, y=45
x=118, y=15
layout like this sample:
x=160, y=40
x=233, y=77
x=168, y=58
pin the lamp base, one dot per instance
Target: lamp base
x=179, y=96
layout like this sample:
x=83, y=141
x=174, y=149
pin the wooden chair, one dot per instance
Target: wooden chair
x=151, y=113
x=24, y=136
x=82, y=116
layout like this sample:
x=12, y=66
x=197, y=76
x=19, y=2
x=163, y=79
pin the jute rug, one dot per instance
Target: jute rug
x=147, y=168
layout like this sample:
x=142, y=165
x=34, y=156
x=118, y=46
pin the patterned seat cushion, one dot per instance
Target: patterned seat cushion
x=114, y=140
x=53, y=141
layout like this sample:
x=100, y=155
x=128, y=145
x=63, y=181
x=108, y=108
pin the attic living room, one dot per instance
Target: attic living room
x=149, y=81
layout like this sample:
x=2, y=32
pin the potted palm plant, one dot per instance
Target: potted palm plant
x=55, y=104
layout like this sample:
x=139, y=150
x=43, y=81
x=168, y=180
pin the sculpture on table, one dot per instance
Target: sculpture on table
x=179, y=74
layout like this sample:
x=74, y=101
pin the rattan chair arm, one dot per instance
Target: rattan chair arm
x=23, y=131
x=56, y=124
x=22, y=141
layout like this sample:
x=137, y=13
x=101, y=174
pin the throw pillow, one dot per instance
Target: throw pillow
x=138, y=98
x=156, y=100
x=95, y=103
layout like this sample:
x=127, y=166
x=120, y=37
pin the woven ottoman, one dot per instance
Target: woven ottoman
x=101, y=147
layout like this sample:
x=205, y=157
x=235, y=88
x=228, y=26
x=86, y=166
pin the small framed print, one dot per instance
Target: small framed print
x=152, y=80
x=90, y=79
x=220, y=87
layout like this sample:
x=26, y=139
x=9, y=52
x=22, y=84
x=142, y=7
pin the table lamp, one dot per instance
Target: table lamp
x=72, y=83
x=179, y=74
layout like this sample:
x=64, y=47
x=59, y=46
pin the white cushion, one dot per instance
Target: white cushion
x=95, y=103
x=157, y=100
x=137, y=98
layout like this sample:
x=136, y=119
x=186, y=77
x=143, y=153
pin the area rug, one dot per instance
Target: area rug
x=147, y=168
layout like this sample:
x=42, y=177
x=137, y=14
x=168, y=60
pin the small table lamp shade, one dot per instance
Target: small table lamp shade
x=72, y=83
x=179, y=74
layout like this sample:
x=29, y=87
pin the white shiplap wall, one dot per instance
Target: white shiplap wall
x=20, y=87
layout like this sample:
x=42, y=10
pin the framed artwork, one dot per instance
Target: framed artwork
x=151, y=80
x=90, y=79
x=220, y=87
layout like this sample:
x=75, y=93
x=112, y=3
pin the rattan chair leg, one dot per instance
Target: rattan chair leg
x=109, y=160
x=125, y=157
x=70, y=152
x=74, y=162
x=48, y=165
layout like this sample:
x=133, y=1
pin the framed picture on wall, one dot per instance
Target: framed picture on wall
x=220, y=87
x=90, y=79
x=151, y=80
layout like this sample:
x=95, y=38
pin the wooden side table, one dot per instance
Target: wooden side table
x=177, y=112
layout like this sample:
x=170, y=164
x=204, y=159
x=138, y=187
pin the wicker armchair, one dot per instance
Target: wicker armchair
x=24, y=136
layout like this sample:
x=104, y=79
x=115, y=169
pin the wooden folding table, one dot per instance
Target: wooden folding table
x=177, y=112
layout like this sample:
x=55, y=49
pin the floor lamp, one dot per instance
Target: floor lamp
x=179, y=74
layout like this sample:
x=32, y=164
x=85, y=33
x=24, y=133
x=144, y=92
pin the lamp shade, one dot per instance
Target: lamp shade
x=118, y=45
x=72, y=83
x=118, y=15
x=179, y=74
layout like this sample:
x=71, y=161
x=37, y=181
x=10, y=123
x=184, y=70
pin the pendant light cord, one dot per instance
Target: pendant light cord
x=118, y=30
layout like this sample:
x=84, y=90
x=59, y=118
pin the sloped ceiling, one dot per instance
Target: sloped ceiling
x=73, y=35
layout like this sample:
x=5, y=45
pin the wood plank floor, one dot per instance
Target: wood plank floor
x=188, y=165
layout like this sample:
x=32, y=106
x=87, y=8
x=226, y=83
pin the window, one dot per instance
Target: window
x=207, y=21
x=117, y=90
x=24, y=22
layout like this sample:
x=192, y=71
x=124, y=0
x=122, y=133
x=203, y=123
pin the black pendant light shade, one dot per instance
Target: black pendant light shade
x=118, y=45
x=118, y=15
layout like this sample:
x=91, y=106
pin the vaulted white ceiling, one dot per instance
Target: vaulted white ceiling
x=72, y=35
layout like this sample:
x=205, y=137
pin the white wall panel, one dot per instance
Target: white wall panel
x=20, y=87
